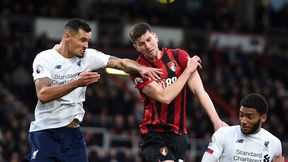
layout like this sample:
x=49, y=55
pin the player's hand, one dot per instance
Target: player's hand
x=148, y=72
x=219, y=125
x=278, y=158
x=87, y=77
x=193, y=63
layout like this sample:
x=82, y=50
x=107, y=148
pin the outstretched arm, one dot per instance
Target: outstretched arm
x=196, y=86
x=132, y=67
x=167, y=94
x=47, y=92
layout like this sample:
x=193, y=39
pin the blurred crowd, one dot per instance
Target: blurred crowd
x=112, y=103
x=214, y=14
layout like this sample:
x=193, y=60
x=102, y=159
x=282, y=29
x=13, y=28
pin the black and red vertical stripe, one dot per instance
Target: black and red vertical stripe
x=160, y=117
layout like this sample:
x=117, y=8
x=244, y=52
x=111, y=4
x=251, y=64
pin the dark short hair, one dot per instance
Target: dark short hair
x=75, y=24
x=138, y=30
x=255, y=101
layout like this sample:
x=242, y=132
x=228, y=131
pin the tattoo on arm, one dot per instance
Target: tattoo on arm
x=113, y=62
x=42, y=82
x=123, y=64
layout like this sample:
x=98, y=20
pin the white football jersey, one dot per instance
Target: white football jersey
x=229, y=144
x=60, y=70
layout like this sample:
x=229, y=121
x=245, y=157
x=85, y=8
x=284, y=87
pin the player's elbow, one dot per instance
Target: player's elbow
x=42, y=98
x=164, y=99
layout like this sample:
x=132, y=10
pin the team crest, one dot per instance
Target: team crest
x=266, y=143
x=163, y=151
x=138, y=80
x=39, y=69
x=172, y=65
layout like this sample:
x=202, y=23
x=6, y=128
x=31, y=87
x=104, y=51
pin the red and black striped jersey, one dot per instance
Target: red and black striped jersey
x=160, y=117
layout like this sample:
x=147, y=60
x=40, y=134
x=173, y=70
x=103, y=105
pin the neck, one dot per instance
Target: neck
x=62, y=50
x=158, y=55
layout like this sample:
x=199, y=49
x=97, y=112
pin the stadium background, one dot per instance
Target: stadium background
x=243, y=45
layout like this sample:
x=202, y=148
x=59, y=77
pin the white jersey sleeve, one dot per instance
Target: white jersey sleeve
x=208, y=157
x=215, y=147
x=41, y=67
x=96, y=59
x=278, y=147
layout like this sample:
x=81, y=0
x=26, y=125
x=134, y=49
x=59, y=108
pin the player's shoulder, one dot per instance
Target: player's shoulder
x=45, y=52
x=91, y=52
x=141, y=60
x=222, y=134
x=178, y=50
x=44, y=55
x=228, y=130
x=267, y=134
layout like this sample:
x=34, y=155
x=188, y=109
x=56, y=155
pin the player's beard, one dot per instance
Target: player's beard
x=81, y=54
x=255, y=128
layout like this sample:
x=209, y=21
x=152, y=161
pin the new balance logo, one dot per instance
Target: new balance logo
x=58, y=67
x=34, y=154
x=240, y=141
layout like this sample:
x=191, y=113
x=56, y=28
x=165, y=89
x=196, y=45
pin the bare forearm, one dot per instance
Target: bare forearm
x=131, y=66
x=127, y=65
x=169, y=93
x=208, y=105
x=196, y=86
x=49, y=93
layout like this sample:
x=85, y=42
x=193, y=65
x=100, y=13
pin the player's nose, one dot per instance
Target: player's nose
x=243, y=121
x=147, y=45
x=85, y=45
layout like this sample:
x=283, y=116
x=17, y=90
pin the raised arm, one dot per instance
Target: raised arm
x=167, y=94
x=196, y=86
x=47, y=92
x=132, y=67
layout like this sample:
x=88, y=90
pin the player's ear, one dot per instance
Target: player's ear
x=263, y=118
x=136, y=47
x=66, y=35
x=156, y=36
